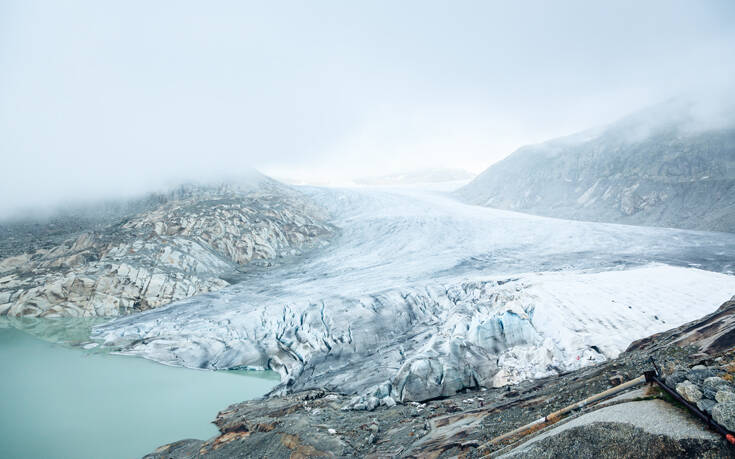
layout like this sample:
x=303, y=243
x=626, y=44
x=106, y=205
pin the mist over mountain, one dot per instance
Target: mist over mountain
x=286, y=196
x=670, y=165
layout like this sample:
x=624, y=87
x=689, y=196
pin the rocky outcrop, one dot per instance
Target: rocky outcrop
x=712, y=334
x=653, y=168
x=192, y=242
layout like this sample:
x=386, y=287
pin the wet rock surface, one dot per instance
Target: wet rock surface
x=315, y=423
x=189, y=241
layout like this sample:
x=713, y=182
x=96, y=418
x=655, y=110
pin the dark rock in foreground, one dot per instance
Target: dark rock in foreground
x=192, y=240
x=621, y=440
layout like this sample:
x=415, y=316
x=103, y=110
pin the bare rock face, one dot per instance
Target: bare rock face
x=189, y=244
x=652, y=168
x=712, y=334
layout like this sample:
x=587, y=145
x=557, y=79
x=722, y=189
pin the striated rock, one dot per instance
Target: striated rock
x=689, y=391
x=182, y=448
x=712, y=334
x=191, y=243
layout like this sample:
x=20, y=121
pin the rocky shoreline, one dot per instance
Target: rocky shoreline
x=315, y=423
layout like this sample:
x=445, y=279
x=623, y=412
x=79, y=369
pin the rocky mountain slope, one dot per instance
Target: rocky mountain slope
x=147, y=253
x=658, y=167
x=643, y=422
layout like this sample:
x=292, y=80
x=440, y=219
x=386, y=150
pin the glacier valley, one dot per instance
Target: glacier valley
x=419, y=296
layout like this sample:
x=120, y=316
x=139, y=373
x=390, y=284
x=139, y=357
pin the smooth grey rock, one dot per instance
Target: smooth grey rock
x=689, y=391
x=648, y=429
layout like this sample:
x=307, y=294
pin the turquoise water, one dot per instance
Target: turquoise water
x=63, y=402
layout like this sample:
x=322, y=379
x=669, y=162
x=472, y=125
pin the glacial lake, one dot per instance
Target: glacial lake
x=57, y=401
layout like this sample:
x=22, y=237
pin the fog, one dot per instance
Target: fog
x=102, y=99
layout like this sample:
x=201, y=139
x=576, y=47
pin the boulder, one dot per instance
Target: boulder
x=706, y=405
x=712, y=385
x=724, y=396
x=724, y=415
x=689, y=391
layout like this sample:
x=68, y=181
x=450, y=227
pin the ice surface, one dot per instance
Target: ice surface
x=420, y=296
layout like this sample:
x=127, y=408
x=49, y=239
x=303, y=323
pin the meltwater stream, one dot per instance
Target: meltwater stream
x=62, y=402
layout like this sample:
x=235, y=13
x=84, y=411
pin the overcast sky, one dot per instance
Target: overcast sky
x=99, y=98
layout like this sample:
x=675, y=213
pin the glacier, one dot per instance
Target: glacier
x=420, y=296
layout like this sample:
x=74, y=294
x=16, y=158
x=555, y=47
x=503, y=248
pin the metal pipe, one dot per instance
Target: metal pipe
x=703, y=416
x=648, y=376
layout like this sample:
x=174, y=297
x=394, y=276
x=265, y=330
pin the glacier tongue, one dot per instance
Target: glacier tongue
x=421, y=297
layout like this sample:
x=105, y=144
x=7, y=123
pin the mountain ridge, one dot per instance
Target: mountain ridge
x=143, y=254
x=641, y=170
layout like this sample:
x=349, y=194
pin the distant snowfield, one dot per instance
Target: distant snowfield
x=420, y=296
